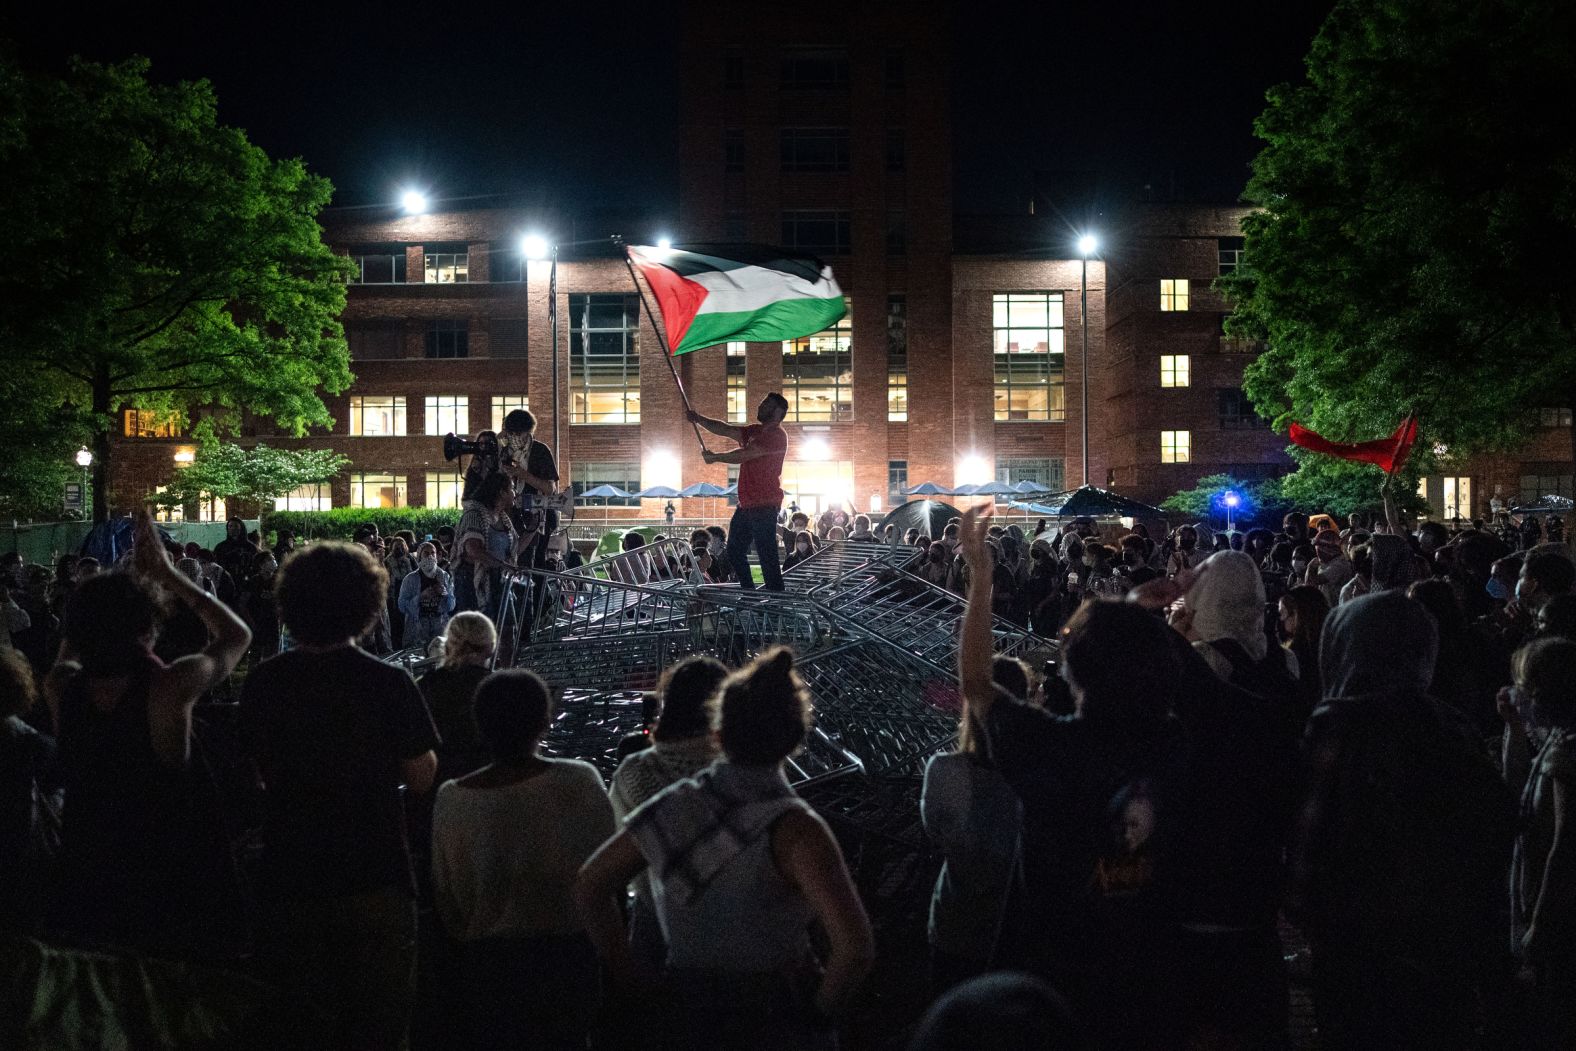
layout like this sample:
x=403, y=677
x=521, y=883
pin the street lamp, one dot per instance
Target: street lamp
x=1086, y=247
x=413, y=201
x=1232, y=501
x=84, y=461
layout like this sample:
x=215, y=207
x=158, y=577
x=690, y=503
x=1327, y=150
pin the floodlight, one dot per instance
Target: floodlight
x=535, y=246
x=414, y=202
x=1087, y=244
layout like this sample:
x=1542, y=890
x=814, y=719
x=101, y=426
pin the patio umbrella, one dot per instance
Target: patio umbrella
x=930, y=517
x=927, y=489
x=967, y=489
x=703, y=489
x=607, y=492
x=732, y=490
x=658, y=492
x=995, y=489
x=1098, y=503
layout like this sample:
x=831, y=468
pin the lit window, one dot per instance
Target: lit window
x=818, y=375
x=448, y=414
x=1174, y=370
x=1176, y=446
x=1174, y=294
x=1029, y=352
x=504, y=404
x=148, y=423
x=604, y=361
x=163, y=512
x=1458, y=498
x=377, y=416
x=444, y=488
x=377, y=490
x=447, y=266
x=623, y=475
x=897, y=359
x=448, y=339
x=738, y=394
x=305, y=498
x=1049, y=471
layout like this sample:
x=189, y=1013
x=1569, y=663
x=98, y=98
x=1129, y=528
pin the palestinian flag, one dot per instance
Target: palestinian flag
x=711, y=294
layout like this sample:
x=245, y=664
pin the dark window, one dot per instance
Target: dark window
x=895, y=69
x=815, y=68
x=815, y=231
x=733, y=150
x=896, y=150
x=1548, y=417
x=815, y=149
x=1544, y=479
x=1231, y=254
x=378, y=265
x=735, y=227
x=507, y=337
x=897, y=479
x=448, y=339
x=1236, y=411
x=733, y=69
x=374, y=340
x=505, y=263
x=896, y=231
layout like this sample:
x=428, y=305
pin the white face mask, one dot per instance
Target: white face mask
x=429, y=566
x=802, y=548
x=1298, y=565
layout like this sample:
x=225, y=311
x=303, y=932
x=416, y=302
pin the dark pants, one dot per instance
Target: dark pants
x=1366, y=999
x=354, y=958
x=758, y=526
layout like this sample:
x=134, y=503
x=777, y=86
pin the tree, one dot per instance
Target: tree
x=1417, y=199
x=1339, y=487
x=252, y=476
x=169, y=264
x=1260, y=500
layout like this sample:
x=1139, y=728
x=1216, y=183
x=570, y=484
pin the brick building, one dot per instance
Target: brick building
x=960, y=360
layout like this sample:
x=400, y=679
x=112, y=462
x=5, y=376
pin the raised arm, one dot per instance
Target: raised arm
x=717, y=427
x=974, y=637
x=179, y=686
x=742, y=454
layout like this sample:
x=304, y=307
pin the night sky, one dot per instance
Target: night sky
x=575, y=104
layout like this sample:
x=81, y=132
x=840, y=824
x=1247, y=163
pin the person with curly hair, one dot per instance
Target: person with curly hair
x=338, y=737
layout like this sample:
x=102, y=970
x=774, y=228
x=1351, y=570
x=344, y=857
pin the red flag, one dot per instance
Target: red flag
x=1389, y=453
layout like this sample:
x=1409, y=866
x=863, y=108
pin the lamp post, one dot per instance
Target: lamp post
x=1231, y=500
x=1086, y=245
x=84, y=461
x=537, y=247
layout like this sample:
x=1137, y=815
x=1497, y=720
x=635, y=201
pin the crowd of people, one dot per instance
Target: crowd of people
x=1361, y=732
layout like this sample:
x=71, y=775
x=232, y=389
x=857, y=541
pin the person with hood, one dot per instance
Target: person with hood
x=1224, y=616
x=1398, y=859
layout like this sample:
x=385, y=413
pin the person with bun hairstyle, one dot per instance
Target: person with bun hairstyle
x=740, y=867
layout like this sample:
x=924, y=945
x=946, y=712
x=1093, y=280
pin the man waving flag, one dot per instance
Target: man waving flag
x=711, y=294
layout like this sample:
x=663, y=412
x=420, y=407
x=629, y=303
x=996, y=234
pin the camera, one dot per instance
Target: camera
x=454, y=446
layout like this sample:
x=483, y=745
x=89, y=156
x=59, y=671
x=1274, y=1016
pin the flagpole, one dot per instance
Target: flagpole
x=667, y=352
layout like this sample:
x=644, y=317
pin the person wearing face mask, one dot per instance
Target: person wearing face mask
x=801, y=550
x=426, y=598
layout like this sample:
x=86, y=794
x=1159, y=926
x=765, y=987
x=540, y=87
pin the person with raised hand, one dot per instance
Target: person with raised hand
x=143, y=861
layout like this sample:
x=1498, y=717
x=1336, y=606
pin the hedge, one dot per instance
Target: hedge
x=341, y=522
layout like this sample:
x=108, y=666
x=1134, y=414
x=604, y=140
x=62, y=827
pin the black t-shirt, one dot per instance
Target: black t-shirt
x=539, y=462
x=328, y=732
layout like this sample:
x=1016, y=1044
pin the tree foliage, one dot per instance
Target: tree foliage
x=1261, y=500
x=254, y=476
x=159, y=259
x=1417, y=197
